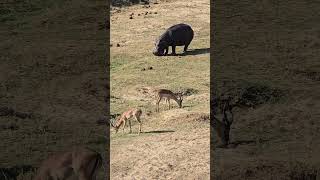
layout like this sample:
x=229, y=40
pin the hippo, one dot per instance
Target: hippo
x=176, y=35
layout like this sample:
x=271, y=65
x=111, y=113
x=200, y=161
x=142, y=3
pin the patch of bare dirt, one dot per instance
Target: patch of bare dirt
x=162, y=154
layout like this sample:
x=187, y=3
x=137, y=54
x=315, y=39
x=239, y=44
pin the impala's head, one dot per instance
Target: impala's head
x=113, y=124
x=160, y=46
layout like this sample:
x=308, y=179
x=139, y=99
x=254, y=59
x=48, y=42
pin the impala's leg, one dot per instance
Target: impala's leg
x=158, y=101
x=140, y=124
x=166, y=101
x=169, y=104
x=130, y=125
x=124, y=125
x=227, y=135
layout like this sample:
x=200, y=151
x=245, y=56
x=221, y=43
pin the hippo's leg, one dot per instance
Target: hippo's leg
x=186, y=48
x=173, y=50
x=166, y=50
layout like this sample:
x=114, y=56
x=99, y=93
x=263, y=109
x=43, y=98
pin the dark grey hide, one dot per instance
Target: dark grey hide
x=177, y=35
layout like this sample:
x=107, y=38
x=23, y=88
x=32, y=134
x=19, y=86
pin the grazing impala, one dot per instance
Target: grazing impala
x=127, y=115
x=167, y=95
x=223, y=127
x=81, y=162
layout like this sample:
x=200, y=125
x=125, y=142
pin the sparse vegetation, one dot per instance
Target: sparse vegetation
x=265, y=59
x=301, y=171
x=52, y=80
x=173, y=140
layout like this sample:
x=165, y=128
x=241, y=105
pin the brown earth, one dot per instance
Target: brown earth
x=52, y=67
x=266, y=54
x=174, y=143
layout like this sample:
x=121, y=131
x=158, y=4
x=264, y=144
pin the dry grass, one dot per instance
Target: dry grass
x=174, y=140
x=52, y=66
x=269, y=49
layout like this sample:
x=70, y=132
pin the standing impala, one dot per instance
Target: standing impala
x=167, y=95
x=82, y=162
x=127, y=115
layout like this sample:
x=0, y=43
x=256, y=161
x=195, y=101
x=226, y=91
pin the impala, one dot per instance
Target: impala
x=81, y=162
x=127, y=115
x=168, y=95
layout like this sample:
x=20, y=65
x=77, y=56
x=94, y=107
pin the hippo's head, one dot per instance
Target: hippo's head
x=160, y=46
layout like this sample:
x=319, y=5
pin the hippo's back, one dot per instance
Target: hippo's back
x=180, y=26
x=180, y=34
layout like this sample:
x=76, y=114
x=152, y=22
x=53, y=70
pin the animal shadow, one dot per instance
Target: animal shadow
x=192, y=52
x=244, y=142
x=196, y=52
x=163, y=131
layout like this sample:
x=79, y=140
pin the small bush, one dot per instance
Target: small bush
x=303, y=172
x=259, y=94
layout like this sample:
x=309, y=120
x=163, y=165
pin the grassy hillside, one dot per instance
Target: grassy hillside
x=266, y=55
x=52, y=68
x=173, y=140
